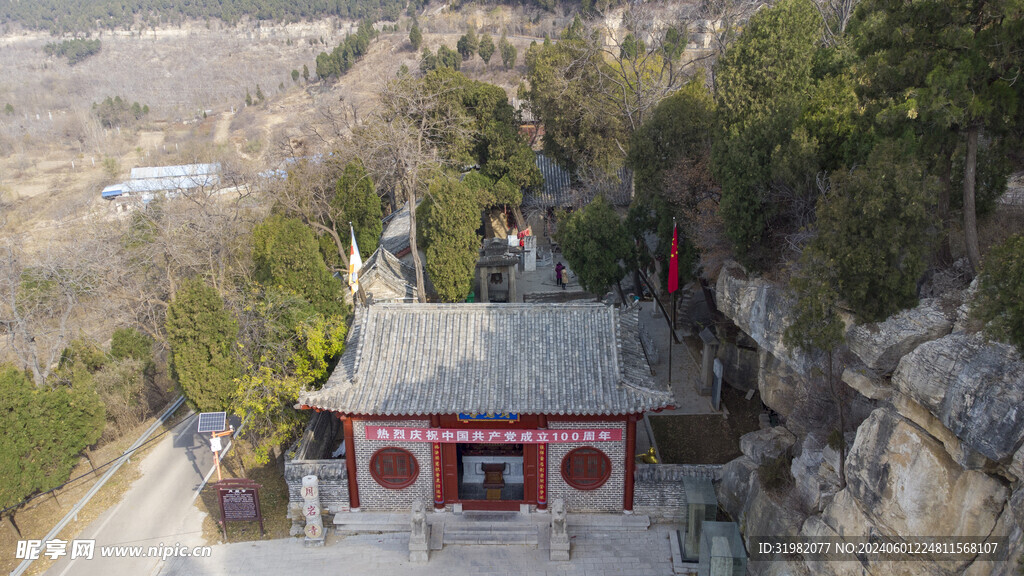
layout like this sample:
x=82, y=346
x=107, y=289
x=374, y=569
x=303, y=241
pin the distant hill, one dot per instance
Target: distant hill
x=79, y=16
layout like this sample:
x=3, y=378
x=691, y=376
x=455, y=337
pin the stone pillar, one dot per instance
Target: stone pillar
x=419, y=551
x=529, y=253
x=512, y=284
x=484, y=280
x=311, y=510
x=559, y=534
x=707, y=375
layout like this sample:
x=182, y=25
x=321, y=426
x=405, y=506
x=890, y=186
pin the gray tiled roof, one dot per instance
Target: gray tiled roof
x=416, y=359
x=384, y=278
x=559, y=190
x=395, y=237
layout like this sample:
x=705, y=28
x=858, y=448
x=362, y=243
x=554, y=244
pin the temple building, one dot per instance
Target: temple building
x=486, y=407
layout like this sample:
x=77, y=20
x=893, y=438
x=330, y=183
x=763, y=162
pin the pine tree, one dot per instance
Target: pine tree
x=202, y=335
x=486, y=49
x=415, y=36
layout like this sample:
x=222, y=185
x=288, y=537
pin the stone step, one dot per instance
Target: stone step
x=505, y=535
x=372, y=522
x=608, y=522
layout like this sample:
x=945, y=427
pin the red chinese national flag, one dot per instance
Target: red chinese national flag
x=673, y=262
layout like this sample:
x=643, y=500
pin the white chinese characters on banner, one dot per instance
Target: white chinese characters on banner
x=453, y=435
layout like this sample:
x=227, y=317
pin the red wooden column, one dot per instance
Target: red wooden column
x=627, y=499
x=350, y=463
x=438, y=466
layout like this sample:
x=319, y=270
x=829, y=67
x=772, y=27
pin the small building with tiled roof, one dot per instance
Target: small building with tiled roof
x=491, y=406
x=562, y=190
x=385, y=278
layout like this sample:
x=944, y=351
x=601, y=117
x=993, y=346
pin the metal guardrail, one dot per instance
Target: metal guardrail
x=73, y=513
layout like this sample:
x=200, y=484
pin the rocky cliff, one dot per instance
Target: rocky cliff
x=935, y=427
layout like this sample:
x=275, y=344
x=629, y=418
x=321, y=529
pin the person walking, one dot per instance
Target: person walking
x=565, y=277
x=558, y=274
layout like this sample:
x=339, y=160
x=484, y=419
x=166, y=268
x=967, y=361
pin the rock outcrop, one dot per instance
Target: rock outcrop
x=880, y=345
x=975, y=388
x=768, y=444
x=939, y=442
x=906, y=484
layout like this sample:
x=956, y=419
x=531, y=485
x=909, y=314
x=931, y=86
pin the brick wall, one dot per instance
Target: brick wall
x=659, y=490
x=373, y=496
x=607, y=498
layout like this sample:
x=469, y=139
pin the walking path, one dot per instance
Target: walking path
x=156, y=510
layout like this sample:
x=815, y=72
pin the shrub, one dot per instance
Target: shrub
x=774, y=473
x=1000, y=299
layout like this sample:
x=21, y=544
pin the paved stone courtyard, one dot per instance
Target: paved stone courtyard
x=640, y=553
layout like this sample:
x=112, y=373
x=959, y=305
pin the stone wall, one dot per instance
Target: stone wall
x=307, y=457
x=607, y=498
x=373, y=496
x=659, y=491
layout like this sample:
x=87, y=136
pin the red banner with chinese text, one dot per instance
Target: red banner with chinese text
x=453, y=435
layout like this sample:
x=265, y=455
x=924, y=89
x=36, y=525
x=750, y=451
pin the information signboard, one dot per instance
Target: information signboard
x=239, y=502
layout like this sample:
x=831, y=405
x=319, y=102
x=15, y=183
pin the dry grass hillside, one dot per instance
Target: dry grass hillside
x=55, y=156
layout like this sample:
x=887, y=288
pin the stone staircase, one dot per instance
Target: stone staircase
x=494, y=528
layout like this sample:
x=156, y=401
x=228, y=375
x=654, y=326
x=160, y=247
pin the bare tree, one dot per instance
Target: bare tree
x=410, y=134
x=307, y=193
x=836, y=15
x=721, y=22
x=45, y=295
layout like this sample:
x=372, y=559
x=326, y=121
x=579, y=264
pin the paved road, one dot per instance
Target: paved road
x=157, y=509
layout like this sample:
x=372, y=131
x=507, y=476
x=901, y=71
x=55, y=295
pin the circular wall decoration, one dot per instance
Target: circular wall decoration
x=394, y=467
x=586, y=468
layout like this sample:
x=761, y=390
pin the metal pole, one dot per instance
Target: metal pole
x=672, y=330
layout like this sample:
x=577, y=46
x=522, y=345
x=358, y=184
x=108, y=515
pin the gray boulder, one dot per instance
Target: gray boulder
x=975, y=388
x=880, y=345
x=906, y=483
x=733, y=490
x=762, y=310
x=763, y=445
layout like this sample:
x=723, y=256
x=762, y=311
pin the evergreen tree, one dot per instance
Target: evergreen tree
x=286, y=256
x=356, y=201
x=486, y=49
x=467, y=45
x=415, y=36
x=450, y=217
x=1000, y=299
x=873, y=230
x=508, y=52
x=45, y=429
x=595, y=243
x=202, y=335
x=762, y=85
x=295, y=75
x=305, y=73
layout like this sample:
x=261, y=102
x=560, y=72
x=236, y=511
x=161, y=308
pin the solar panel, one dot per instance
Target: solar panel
x=213, y=421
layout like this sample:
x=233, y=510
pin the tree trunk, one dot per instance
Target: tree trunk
x=970, y=218
x=945, y=255
x=411, y=204
x=842, y=422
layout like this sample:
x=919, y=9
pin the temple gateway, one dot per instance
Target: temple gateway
x=489, y=407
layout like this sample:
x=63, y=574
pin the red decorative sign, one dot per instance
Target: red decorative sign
x=438, y=492
x=542, y=475
x=453, y=435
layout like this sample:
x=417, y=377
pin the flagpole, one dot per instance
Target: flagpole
x=673, y=284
